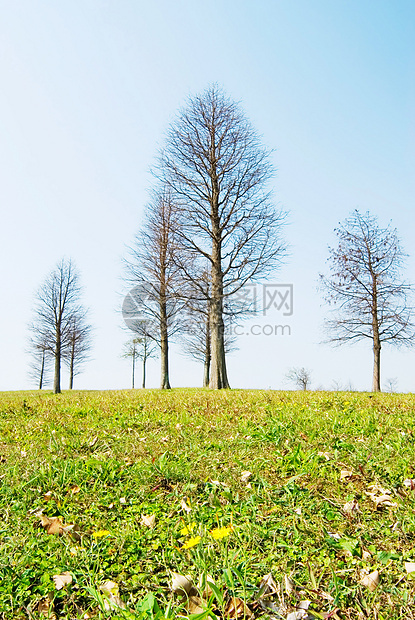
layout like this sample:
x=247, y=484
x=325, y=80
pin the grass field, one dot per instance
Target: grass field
x=121, y=491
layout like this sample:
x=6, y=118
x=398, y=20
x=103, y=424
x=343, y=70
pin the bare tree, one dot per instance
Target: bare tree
x=369, y=298
x=141, y=347
x=301, y=377
x=152, y=269
x=391, y=384
x=218, y=175
x=57, y=301
x=41, y=356
x=77, y=343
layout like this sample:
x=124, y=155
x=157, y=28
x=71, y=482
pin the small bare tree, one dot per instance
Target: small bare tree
x=301, y=377
x=57, y=301
x=391, y=384
x=218, y=173
x=365, y=288
x=77, y=343
x=143, y=347
x=40, y=364
x=152, y=268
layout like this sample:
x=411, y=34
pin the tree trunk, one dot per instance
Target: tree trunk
x=144, y=371
x=376, y=337
x=218, y=375
x=133, y=374
x=206, y=372
x=71, y=366
x=42, y=370
x=376, y=367
x=164, y=346
x=57, y=379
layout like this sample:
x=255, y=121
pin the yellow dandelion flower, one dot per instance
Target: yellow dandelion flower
x=100, y=533
x=192, y=542
x=188, y=529
x=220, y=532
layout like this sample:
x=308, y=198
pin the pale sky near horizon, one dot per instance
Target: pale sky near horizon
x=88, y=91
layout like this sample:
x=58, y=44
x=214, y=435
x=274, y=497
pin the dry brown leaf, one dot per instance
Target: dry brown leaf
x=184, y=506
x=181, y=584
x=47, y=496
x=410, y=567
x=204, y=586
x=148, y=520
x=45, y=608
x=289, y=585
x=351, y=508
x=246, y=476
x=326, y=455
x=236, y=608
x=409, y=483
x=371, y=581
x=74, y=489
x=346, y=474
x=62, y=580
x=195, y=605
x=54, y=526
x=110, y=592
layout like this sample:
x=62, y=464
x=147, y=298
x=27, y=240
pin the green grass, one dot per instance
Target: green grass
x=101, y=460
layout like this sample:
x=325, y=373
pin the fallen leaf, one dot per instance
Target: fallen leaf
x=345, y=474
x=301, y=611
x=204, y=586
x=75, y=489
x=289, y=584
x=148, y=520
x=246, y=476
x=110, y=592
x=62, y=580
x=184, y=506
x=123, y=500
x=236, y=608
x=325, y=455
x=410, y=567
x=267, y=590
x=181, y=584
x=297, y=511
x=53, y=525
x=47, y=496
x=195, y=605
x=351, y=507
x=45, y=608
x=410, y=483
x=371, y=581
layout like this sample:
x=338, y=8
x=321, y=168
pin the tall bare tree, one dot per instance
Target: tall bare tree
x=218, y=175
x=77, y=343
x=365, y=287
x=152, y=269
x=57, y=301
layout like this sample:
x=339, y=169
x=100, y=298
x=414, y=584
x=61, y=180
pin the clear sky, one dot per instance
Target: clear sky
x=88, y=89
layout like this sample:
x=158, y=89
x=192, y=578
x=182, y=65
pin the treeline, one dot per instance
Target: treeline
x=210, y=229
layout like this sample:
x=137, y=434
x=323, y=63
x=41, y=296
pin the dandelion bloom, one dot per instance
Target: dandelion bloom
x=188, y=529
x=192, y=542
x=101, y=533
x=221, y=532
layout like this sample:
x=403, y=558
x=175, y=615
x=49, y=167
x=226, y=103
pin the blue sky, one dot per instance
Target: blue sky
x=88, y=90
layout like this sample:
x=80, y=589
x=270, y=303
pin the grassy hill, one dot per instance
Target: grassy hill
x=122, y=490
